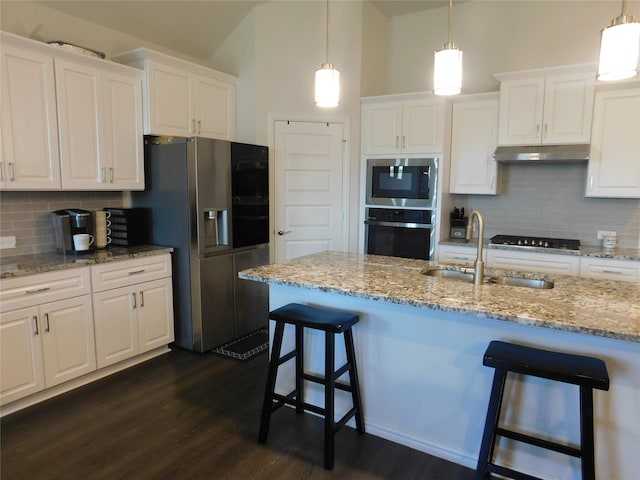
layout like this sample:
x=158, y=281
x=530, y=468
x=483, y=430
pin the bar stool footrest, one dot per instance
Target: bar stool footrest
x=539, y=442
x=507, y=472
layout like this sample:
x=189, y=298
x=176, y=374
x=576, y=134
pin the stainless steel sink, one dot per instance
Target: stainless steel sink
x=446, y=273
x=523, y=282
x=513, y=281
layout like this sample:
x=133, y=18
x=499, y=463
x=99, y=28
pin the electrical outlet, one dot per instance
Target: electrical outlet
x=8, y=242
x=605, y=233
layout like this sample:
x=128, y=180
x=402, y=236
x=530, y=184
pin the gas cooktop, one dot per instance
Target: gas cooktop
x=535, y=242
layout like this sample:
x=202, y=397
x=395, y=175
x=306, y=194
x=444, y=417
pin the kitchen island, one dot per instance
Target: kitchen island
x=420, y=343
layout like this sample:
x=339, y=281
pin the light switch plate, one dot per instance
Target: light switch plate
x=7, y=242
x=604, y=233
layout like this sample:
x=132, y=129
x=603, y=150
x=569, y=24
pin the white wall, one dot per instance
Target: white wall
x=498, y=36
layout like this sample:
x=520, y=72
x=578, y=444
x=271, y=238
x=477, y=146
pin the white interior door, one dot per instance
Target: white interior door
x=309, y=188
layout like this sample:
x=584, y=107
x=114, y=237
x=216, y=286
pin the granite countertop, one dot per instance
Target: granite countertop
x=597, y=307
x=585, y=250
x=45, y=262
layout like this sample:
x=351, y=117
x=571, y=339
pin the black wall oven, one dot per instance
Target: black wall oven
x=402, y=182
x=400, y=233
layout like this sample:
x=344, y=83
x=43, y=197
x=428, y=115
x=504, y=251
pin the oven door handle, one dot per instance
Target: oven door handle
x=425, y=226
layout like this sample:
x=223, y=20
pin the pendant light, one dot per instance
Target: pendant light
x=447, y=70
x=619, y=48
x=327, y=91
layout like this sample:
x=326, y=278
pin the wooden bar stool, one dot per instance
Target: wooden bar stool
x=331, y=322
x=585, y=372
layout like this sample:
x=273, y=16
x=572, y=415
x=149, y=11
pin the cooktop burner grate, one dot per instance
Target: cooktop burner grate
x=535, y=242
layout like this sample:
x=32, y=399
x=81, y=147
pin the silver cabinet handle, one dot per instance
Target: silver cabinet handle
x=403, y=142
x=1, y=171
x=133, y=299
x=11, y=172
x=47, y=327
x=103, y=176
x=537, y=129
x=397, y=141
x=614, y=272
x=193, y=125
x=135, y=272
x=546, y=130
x=110, y=174
x=283, y=232
x=199, y=127
x=141, y=299
x=37, y=290
x=35, y=324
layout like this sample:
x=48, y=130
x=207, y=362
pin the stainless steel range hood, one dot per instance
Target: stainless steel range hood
x=543, y=153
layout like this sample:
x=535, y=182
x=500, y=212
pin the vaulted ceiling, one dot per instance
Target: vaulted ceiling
x=193, y=27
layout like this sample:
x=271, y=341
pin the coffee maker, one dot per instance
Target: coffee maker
x=68, y=222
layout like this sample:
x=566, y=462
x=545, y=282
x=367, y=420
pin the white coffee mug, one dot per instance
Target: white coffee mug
x=609, y=242
x=82, y=241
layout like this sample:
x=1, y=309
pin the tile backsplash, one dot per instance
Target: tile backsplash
x=27, y=216
x=547, y=200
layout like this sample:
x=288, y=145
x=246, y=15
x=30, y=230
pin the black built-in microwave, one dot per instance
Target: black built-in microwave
x=402, y=182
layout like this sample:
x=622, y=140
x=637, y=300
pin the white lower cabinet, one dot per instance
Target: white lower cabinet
x=610, y=269
x=55, y=328
x=137, y=316
x=45, y=344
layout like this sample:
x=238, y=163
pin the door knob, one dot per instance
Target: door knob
x=283, y=232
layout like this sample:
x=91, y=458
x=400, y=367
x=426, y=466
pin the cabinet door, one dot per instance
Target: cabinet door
x=215, y=108
x=122, y=132
x=381, y=127
x=116, y=330
x=473, y=141
x=421, y=126
x=521, y=104
x=170, y=100
x=67, y=339
x=568, y=106
x=79, y=96
x=21, y=371
x=30, y=158
x=155, y=315
x=614, y=162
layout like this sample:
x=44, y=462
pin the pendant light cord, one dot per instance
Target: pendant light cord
x=449, y=28
x=327, y=42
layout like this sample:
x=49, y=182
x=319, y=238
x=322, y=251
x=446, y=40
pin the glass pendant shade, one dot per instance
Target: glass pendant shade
x=327, y=92
x=619, y=49
x=447, y=70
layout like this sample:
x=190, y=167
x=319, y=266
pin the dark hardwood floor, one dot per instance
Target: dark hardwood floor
x=191, y=416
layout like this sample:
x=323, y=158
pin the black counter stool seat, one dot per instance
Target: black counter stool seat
x=331, y=322
x=585, y=372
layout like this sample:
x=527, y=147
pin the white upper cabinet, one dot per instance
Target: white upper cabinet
x=183, y=98
x=390, y=125
x=614, y=160
x=69, y=121
x=474, y=135
x=546, y=106
x=100, y=118
x=29, y=157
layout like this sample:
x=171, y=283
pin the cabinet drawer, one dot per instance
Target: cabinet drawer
x=534, y=262
x=130, y=272
x=30, y=290
x=610, y=269
x=458, y=255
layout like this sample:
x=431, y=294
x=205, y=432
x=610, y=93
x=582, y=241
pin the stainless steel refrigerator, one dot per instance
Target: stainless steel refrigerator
x=209, y=200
